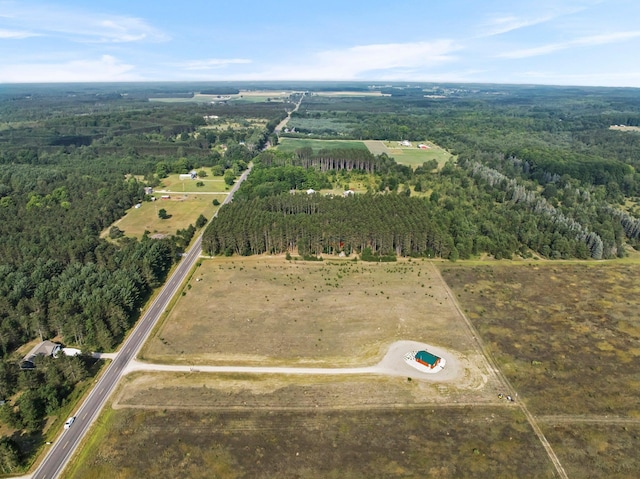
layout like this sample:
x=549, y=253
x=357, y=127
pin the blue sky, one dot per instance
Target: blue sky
x=561, y=42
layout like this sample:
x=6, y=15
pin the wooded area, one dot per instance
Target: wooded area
x=72, y=162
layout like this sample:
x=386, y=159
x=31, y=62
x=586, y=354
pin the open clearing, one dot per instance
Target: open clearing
x=349, y=93
x=184, y=210
x=409, y=155
x=625, y=128
x=293, y=144
x=266, y=311
x=485, y=442
x=243, y=95
x=261, y=311
x=567, y=336
x=187, y=201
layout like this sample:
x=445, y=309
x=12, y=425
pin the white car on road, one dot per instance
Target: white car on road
x=69, y=422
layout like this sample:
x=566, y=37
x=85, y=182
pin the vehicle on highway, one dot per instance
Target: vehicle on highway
x=69, y=422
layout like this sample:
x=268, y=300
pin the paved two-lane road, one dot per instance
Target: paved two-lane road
x=63, y=448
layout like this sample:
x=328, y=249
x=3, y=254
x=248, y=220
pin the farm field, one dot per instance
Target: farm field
x=409, y=155
x=567, y=336
x=293, y=144
x=244, y=95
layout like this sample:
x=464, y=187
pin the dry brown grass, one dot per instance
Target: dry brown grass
x=256, y=442
x=566, y=335
x=269, y=311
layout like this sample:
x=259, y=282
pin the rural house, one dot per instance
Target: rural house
x=45, y=348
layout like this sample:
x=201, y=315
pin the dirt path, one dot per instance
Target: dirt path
x=392, y=364
x=503, y=379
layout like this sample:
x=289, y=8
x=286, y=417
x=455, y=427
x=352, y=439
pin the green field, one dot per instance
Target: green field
x=212, y=184
x=293, y=144
x=412, y=156
x=183, y=211
x=187, y=201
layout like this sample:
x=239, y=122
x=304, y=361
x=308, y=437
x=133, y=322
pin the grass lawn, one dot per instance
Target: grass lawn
x=184, y=210
x=187, y=202
x=293, y=144
x=173, y=184
x=412, y=156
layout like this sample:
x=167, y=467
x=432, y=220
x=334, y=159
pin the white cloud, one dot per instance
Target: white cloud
x=79, y=25
x=579, y=42
x=505, y=24
x=107, y=68
x=16, y=34
x=211, y=63
x=366, y=60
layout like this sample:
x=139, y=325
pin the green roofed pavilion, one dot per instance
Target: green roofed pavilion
x=427, y=358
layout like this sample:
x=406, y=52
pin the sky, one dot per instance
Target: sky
x=556, y=42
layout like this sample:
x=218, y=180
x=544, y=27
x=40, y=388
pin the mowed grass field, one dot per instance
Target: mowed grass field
x=183, y=210
x=409, y=155
x=568, y=338
x=293, y=144
x=212, y=184
x=187, y=202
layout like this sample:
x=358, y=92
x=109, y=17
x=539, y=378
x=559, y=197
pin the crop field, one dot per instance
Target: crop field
x=568, y=338
x=409, y=155
x=293, y=144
